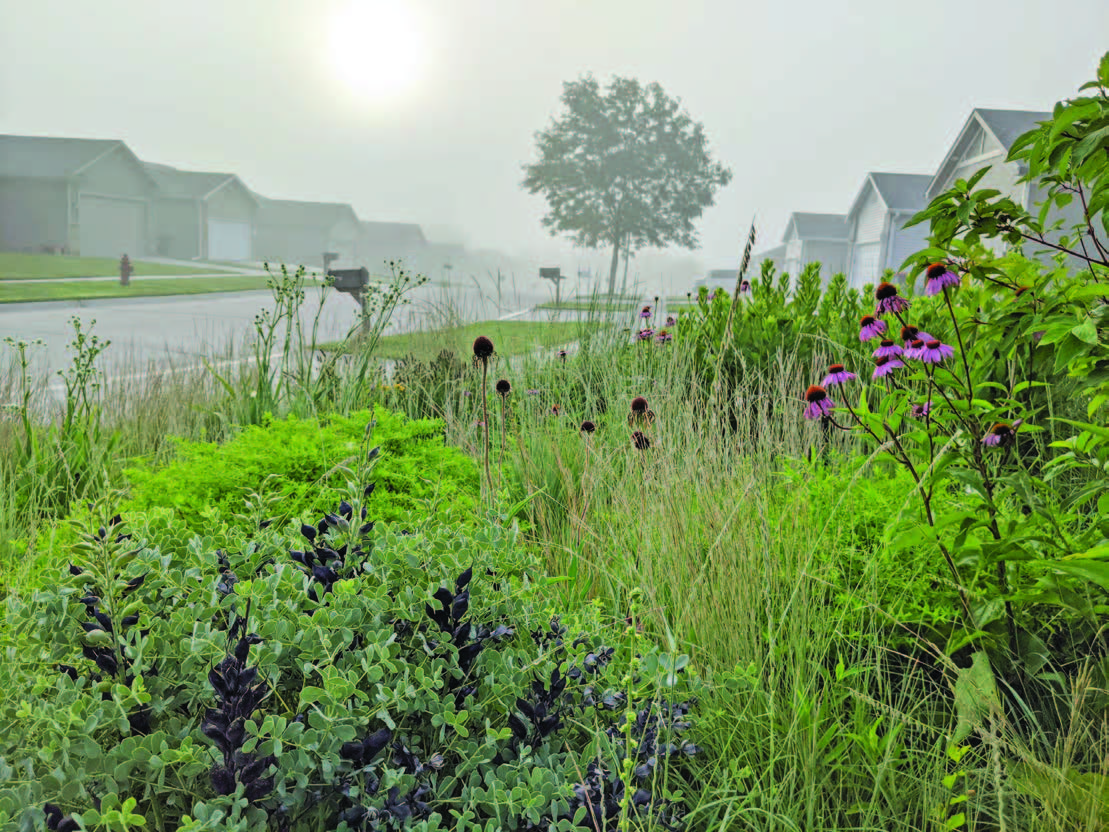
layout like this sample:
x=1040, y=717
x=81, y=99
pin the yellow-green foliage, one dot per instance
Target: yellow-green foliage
x=416, y=473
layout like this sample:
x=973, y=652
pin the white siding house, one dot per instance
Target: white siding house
x=207, y=216
x=777, y=255
x=985, y=140
x=878, y=238
x=815, y=238
x=78, y=196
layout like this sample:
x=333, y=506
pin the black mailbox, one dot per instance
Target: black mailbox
x=348, y=280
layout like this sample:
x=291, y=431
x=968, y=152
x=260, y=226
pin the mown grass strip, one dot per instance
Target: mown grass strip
x=92, y=290
x=16, y=266
x=510, y=337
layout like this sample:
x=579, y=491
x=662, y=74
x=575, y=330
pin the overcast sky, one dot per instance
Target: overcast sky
x=425, y=110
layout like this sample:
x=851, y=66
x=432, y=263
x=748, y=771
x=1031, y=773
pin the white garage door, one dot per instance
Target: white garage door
x=864, y=265
x=228, y=240
x=111, y=227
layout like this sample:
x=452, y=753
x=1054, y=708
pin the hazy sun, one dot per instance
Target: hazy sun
x=376, y=47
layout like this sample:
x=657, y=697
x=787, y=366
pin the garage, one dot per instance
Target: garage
x=228, y=240
x=112, y=227
x=864, y=264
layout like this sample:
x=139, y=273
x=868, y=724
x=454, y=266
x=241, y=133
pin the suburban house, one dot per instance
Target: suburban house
x=875, y=225
x=776, y=255
x=299, y=233
x=77, y=196
x=815, y=238
x=205, y=216
x=986, y=139
x=382, y=241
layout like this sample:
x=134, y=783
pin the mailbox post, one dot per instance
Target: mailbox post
x=125, y=270
x=355, y=283
x=556, y=277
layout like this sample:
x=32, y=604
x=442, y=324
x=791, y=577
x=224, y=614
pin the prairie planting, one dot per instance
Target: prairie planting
x=802, y=557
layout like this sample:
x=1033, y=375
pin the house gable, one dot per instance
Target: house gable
x=985, y=140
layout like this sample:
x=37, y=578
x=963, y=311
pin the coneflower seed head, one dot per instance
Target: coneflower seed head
x=639, y=405
x=483, y=347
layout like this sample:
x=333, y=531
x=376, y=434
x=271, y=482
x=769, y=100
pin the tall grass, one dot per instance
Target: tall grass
x=813, y=720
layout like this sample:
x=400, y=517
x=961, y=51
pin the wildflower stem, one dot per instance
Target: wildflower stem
x=962, y=348
x=485, y=422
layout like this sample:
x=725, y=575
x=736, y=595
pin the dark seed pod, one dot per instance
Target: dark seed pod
x=483, y=348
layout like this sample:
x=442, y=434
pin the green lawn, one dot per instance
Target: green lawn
x=90, y=289
x=15, y=266
x=604, y=305
x=509, y=338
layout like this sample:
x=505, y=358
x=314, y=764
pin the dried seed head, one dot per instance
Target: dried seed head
x=503, y=388
x=483, y=348
x=588, y=427
x=640, y=441
x=639, y=405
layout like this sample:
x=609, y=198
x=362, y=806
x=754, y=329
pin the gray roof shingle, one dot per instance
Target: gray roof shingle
x=173, y=182
x=820, y=226
x=1009, y=125
x=295, y=212
x=49, y=157
x=902, y=191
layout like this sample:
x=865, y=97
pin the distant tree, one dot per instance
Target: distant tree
x=626, y=167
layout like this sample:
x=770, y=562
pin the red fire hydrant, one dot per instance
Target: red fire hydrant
x=125, y=270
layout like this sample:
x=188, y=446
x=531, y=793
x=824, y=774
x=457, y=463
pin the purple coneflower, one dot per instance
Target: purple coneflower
x=556, y=409
x=819, y=405
x=645, y=334
x=533, y=392
x=639, y=404
x=871, y=327
x=836, y=375
x=910, y=333
x=664, y=337
x=933, y=352
x=562, y=355
x=1002, y=434
x=467, y=393
x=939, y=278
x=712, y=296
x=912, y=350
x=888, y=349
x=503, y=387
x=671, y=320
x=744, y=286
x=646, y=313
x=888, y=299
x=885, y=366
x=640, y=441
x=921, y=411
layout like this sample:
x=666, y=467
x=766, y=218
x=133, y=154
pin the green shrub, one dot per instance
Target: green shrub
x=372, y=679
x=303, y=460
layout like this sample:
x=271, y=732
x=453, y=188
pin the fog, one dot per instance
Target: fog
x=425, y=110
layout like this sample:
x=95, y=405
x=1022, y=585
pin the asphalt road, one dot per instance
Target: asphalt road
x=182, y=330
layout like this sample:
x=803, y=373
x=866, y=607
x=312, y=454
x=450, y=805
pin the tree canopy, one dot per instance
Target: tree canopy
x=625, y=166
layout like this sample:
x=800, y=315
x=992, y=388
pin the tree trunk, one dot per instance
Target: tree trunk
x=612, y=268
